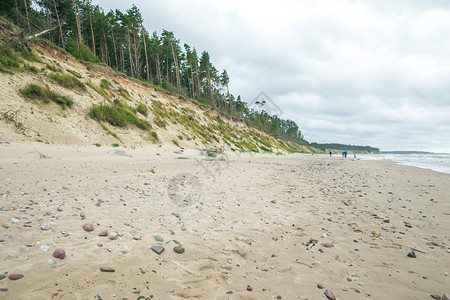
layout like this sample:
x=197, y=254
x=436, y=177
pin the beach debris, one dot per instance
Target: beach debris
x=107, y=269
x=411, y=254
x=178, y=249
x=311, y=243
x=157, y=249
x=113, y=235
x=103, y=233
x=88, y=227
x=15, y=276
x=330, y=295
x=59, y=253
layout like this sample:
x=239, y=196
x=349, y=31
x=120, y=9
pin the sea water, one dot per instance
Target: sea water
x=435, y=161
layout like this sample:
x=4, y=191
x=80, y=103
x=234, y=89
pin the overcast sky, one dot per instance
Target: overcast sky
x=354, y=72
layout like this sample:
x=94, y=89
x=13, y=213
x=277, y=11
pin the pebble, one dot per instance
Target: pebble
x=6, y=225
x=438, y=297
x=51, y=261
x=107, y=269
x=330, y=295
x=360, y=283
x=82, y=214
x=249, y=288
x=44, y=248
x=158, y=238
x=178, y=215
x=45, y=226
x=328, y=245
x=113, y=235
x=59, y=209
x=2, y=276
x=445, y=297
x=15, y=276
x=229, y=292
x=411, y=254
x=320, y=286
x=103, y=233
x=157, y=249
x=178, y=249
x=59, y=253
x=88, y=227
x=3, y=290
x=15, y=220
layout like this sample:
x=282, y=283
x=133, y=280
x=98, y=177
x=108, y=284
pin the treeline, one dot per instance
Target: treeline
x=342, y=147
x=120, y=40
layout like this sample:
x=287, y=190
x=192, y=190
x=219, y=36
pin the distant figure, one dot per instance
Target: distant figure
x=331, y=153
x=354, y=155
x=345, y=153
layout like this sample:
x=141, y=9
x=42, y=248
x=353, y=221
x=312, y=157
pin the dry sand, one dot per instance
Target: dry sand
x=246, y=221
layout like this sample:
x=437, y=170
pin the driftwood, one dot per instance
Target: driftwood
x=40, y=33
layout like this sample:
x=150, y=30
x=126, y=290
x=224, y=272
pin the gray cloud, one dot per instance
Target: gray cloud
x=358, y=72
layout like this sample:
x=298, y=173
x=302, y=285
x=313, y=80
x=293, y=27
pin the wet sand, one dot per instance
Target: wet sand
x=252, y=226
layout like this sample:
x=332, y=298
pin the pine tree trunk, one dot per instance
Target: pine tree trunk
x=106, y=45
x=77, y=19
x=49, y=23
x=17, y=11
x=177, y=71
x=158, y=68
x=129, y=52
x=136, y=57
x=92, y=33
x=146, y=56
x=114, y=44
x=28, y=18
x=199, y=91
x=193, y=83
x=60, y=26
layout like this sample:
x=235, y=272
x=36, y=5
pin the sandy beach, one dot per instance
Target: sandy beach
x=251, y=226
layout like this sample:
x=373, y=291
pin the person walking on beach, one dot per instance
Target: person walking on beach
x=331, y=153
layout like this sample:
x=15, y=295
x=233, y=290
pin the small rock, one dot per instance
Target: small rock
x=386, y=221
x=107, y=269
x=82, y=214
x=157, y=249
x=345, y=289
x=320, y=286
x=329, y=294
x=45, y=226
x=136, y=291
x=178, y=249
x=15, y=220
x=15, y=276
x=249, y=288
x=445, y=297
x=59, y=209
x=438, y=297
x=44, y=248
x=411, y=254
x=2, y=276
x=3, y=290
x=178, y=215
x=360, y=283
x=88, y=227
x=328, y=245
x=59, y=253
x=158, y=238
x=349, y=279
x=51, y=261
x=113, y=235
x=229, y=292
x=103, y=233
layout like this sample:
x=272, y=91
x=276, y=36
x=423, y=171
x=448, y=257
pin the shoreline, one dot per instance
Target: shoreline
x=245, y=221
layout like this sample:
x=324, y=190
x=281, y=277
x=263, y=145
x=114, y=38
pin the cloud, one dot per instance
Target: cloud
x=355, y=72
